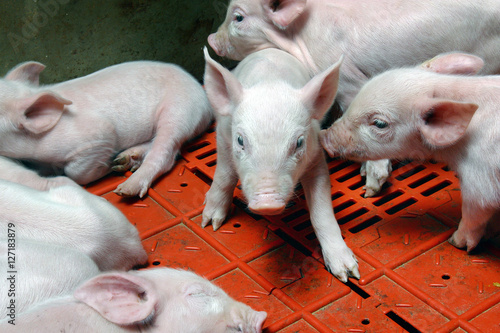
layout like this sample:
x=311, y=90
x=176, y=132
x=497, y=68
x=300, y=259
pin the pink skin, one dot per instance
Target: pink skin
x=268, y=111
x=64, y=235
x=430, y=112
x=44, y=270
x=148, y=301
x=372, y=35
x=145, y=110
x=117, y=244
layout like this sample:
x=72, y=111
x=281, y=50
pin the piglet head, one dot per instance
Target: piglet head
x=250, y=23
x=274, y=131
x=397, y=115
x=167, y=300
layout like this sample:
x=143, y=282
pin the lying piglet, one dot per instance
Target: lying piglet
x=268, y=114
x=71, y=217
x=145, y=110
x=154, y=300
x=424, y=113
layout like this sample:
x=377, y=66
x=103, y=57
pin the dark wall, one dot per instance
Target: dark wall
x=76, y=37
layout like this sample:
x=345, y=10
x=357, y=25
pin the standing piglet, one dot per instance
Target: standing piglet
x=430, y=112
x=148, y=301
x=373, y=36
x=268, y=114
x=144, y=111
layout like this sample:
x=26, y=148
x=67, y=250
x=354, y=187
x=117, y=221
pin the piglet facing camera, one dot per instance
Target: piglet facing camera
x=132, y=116
x=268, y=112
x=432, y=112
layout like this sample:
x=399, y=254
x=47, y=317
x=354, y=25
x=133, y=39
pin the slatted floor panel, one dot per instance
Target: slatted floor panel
x=412, y=280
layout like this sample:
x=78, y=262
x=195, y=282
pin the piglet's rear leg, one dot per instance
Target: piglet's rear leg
x=157, y=161
x=131, y=159
x=472, y=226
x=169, y=136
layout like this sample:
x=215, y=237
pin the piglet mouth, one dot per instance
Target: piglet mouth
x=354, y=154
x=267, y=204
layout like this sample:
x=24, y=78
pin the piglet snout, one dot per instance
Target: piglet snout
x=267, y=204
x=326, y=140
x=212, y=41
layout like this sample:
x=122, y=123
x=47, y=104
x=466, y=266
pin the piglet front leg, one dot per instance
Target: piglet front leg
x=220, y=195
x=339, y=259
x=472, y=227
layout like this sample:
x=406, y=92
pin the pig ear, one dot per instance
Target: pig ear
x=224, y=91
x=319, y=93
x=28, y=72
x=283, y=12
x=41, y=112
x=445, y=122
x=454, y=63
x=121, y=298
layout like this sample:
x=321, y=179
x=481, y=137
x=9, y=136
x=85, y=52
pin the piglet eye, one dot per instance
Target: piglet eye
x=240, y=140
x=238, y=18
x=380, y=123
x=300, y=142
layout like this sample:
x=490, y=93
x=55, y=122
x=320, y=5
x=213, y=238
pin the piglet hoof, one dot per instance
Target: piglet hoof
x=215, y=216
x=127, y=161
x=370, y=192
x=343, y=265
x=461, y=241
x=126, y=189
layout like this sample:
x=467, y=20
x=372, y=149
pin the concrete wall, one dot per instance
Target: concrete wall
x=77, y=37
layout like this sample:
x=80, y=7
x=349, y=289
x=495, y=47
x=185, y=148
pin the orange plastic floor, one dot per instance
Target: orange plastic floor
x=412, y=279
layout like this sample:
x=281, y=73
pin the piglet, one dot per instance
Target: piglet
x=133, y=116
x=268, y=113
x=71, y=217
x=147, y=301
x=431, y=111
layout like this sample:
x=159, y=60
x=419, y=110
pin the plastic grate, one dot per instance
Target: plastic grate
x=412, y=280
